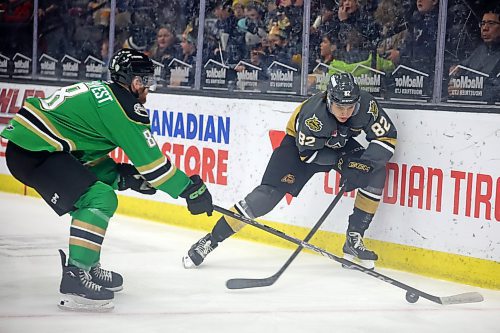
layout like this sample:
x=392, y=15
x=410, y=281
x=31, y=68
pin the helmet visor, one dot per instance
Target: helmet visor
x=148, y=81
x=344, y=105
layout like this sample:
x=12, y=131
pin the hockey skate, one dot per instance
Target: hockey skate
x=354, y=250
x=199, y=251
x=107, y=279
x=79, y=293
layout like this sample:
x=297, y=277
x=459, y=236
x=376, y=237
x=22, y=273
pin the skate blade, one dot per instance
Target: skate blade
x=187, y=262
x=81, y=304
x=115, y=289
x=368, y=264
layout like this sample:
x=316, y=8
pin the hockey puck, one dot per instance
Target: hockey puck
x=411, y=297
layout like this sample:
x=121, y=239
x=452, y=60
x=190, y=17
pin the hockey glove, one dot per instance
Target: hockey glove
x=198, y=198
x=129, y=177
x=356, y=173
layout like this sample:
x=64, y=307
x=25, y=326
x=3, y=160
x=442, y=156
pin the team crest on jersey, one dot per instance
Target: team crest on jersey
x=289, y=179
x=373, y=109
x=140, y=110
x=314, y=124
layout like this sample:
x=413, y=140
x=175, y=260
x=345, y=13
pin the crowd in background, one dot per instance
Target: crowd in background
x=380, y=34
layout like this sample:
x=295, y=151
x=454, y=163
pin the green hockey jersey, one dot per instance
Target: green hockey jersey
x=89, y=120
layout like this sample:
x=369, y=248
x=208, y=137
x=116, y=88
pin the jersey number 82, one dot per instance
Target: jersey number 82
x=381, y=127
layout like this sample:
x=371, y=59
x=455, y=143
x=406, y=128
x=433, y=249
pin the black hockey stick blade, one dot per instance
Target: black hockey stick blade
x=412, y=294
x=242, y=283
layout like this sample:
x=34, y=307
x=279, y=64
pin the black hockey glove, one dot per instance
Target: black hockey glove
x=356, y=173
x=129, y=177
x=198, y=198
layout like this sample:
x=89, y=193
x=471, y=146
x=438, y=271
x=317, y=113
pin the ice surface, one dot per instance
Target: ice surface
x=314, y=295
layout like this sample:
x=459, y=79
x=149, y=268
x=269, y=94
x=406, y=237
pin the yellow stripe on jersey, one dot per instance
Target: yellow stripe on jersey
x=84, y=243
x=49, y=125
x=290, y=126
x=391, y=141
x=366, y=203
x=152, y=166
x=88, y=227
x=233, y=223
x=96, y=161
x=165, y=177
x=26, y=123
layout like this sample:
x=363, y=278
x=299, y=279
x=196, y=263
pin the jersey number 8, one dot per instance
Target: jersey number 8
x=53, y=101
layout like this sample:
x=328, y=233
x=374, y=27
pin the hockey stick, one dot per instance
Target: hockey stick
x=412, y=294
x=240, y=283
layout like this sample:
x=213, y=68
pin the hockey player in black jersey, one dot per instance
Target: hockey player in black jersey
x=319, y=137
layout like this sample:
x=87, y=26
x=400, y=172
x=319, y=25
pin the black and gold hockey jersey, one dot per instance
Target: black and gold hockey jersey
x=318, y=134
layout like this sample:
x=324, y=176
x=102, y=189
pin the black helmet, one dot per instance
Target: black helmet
x=128, y=63
x=342, y=89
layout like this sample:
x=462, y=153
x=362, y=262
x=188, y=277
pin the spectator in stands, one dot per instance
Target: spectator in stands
x=172, y=13
x=289, y=16
x=327, y=47
x=278, y=46
x=419, y=46
x=17, y=27
x=55, y=28
x=238, y=9
x=143, y=20
x=326, y=22
x=257, y=58
x=252, y=26
x=348, y=58
x=462, y=32
x=486, y=57
x=166, y=46
x=321, y=66
x=353, y=18
x=389, y=15
x=175, y=72
x=230, y=39
x=188, y=46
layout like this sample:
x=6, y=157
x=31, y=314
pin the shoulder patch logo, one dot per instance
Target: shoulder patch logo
x=140, y=110
x=314, y=124
x=288, y=179
x=373, y=109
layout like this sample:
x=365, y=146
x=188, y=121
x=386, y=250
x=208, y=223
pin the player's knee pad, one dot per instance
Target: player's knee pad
x=260, y=201
x=100, y=197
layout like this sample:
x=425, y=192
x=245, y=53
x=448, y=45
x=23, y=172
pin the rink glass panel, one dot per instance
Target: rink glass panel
x=16, y=46
x=389, y=45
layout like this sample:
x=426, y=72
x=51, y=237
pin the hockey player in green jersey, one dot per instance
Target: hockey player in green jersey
x=59, y=146
x=320, y=137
